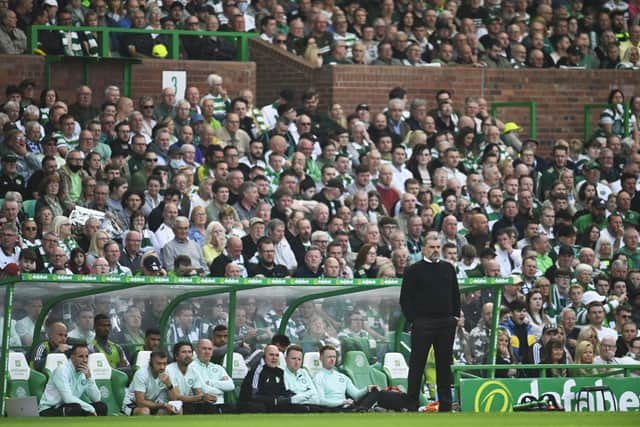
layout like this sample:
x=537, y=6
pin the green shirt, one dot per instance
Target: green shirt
x=66, y=386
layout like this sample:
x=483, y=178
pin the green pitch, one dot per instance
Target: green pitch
x=560, y=419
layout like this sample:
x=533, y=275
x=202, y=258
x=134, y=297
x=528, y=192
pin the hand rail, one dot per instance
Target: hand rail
x=104, y=33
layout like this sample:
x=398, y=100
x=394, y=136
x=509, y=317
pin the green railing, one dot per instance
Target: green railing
x=54, y=289
x=104, y=34
x=533, y=124
x=588, y=108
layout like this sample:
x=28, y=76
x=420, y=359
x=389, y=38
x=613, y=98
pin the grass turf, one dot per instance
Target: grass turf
x=549, y=419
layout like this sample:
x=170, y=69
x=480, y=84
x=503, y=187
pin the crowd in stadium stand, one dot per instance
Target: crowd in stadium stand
x=212, y=184
x=417, y=33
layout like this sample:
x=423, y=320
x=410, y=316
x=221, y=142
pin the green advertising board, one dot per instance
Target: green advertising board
x=500, y=395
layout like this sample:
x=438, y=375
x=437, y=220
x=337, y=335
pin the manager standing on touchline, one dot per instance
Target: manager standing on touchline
x=430, y=301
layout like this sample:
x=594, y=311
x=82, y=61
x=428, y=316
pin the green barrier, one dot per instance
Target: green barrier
x=500, y=395
x=587, y=118
x=533, y=124
x=104, y=33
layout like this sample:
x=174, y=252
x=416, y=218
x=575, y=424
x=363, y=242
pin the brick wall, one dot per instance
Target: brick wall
x=560, y=94
x=147, y=76
x=277, y=70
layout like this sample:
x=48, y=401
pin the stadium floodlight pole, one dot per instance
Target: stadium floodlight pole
x=4, y=356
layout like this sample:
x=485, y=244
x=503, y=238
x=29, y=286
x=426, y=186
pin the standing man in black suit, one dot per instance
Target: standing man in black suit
x=430, y=301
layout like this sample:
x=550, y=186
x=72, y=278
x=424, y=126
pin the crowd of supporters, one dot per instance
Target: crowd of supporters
x=213, y=185
x=492, y=34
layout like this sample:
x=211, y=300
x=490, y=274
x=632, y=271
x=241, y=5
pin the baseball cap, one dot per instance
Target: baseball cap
x=517, y=280
x=491, y=19
x=551, y=327
x=152, y=263
x=599, y=204
x=51, y=3
x=255, y=221
x=176, y=4
x=591, y=165
x=197, y=118
x=334, y=183
x=9, y=158
x=592, y=296
x=362, y=107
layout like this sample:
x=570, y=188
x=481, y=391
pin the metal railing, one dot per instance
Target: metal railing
x=588, y=108
x=533, y=124
x=104, y=34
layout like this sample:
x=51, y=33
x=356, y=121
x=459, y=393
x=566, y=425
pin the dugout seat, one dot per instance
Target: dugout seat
x=110, y=382
x=356, y=367
x=396, y=369
x=142, y=359
x=29, y=208
x=311, y=362
x=53, y=361
x=23, y=381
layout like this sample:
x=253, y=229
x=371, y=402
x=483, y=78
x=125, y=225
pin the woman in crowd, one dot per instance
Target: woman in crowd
x=590, y=236
x=590, y=334
x=78, y=262
x=504, y=355
x=365, y=265
x=131, y=201
x=96, y=246
x=48, y=97
x=62, y=228
x=44, y=217
x=535, y=312
x=553, y=354
x=376, y=208
x=30, y=234
x=88, y=187
x=52, y=197
x=214, y=241
x=418, y=164
x=197, y=230
x=585, y=353
x=93, y=166
x=138, y=222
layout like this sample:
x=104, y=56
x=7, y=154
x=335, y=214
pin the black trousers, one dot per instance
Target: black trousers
x=74, y=410
x=424, y=333
x=200, y=408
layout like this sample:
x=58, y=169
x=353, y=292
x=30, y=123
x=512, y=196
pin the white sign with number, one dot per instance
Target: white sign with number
x=177, y=80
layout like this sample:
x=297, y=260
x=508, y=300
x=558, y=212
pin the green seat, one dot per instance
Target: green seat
x=22, y=381
x=239, y=370
x=356, y=366
x=396, y=369
x=111, y=382
x=29, y=208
